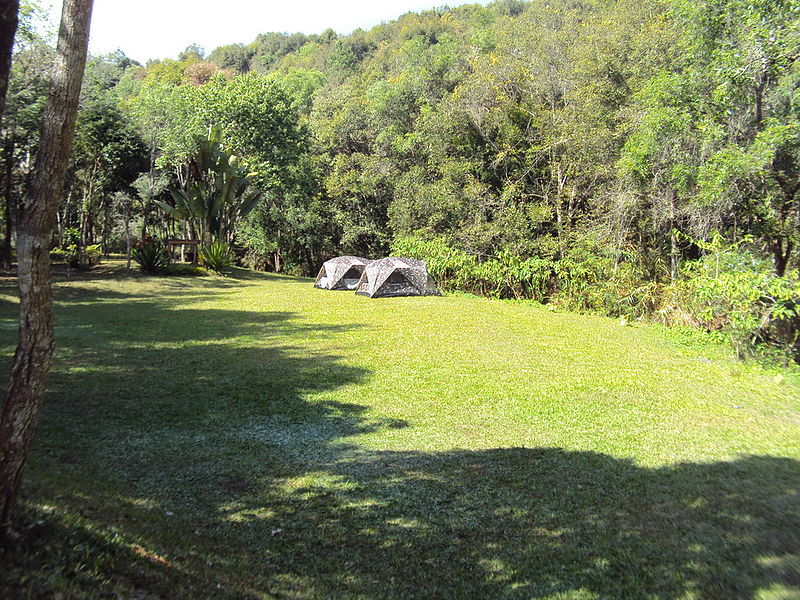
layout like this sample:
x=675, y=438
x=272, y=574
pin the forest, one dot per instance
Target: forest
x=633, y=158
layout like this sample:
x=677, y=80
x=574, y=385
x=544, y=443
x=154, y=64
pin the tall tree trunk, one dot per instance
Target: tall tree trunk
x=759, y=93
x=87, y=207
x=106, y=225
x=66, y=222
x=128, y=235
x=8, y=186
x=278, y=254
x=9, y=19
x=34, y=353
x=673, y=242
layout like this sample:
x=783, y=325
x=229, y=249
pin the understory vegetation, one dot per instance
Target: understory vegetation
x=632, y=158
x=254, y=437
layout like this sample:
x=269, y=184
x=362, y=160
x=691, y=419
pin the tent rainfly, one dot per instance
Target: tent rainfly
x=395, y=276
x=341, y=273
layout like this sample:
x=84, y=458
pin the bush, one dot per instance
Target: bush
x=738, y=296
x=511, y=276
x=59, y=256
x=506, y=275
x=450, y=267
x=76, y=256
x=71, y=237
x=151, y=256
x=216, y=255
x=596, y=277
x=184, y=270
x=92, y=255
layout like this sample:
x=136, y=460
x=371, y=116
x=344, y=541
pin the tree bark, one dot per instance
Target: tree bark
x=9, y=19
x=759, y=93
x=8, y=185
x=33, y=357
x=780, y=255
x=673, y=242
x=127, y=214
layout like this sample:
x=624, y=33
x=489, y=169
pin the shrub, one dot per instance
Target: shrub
x=737, y=295
x=511, y=276
x=450, y=267
x=91, y=255
x=151, y=256
x=184, y=270
x=71, y=237
x=216, y=255
x=59, y=256
x=77, y=257
x=596, y=277
x=506, y=275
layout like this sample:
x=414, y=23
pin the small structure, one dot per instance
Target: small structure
x=395, y=276
x=341, y=273
x=172, y=245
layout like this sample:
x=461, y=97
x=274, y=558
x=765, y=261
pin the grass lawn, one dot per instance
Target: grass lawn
x=254, y=437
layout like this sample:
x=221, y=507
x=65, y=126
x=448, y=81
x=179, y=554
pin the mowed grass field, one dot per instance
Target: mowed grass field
x=254, y=437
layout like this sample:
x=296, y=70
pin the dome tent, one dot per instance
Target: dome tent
x=396, y=276
x=341, y=273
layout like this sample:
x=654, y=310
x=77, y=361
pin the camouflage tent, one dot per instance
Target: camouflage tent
x=396, y=277
x=341, y=273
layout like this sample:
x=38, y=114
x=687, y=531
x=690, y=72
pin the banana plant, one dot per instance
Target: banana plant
x=217, y=193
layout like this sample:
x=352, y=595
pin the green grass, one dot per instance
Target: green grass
x=254, y=437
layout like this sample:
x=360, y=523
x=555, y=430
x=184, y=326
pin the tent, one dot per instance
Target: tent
x=395, y=276
x=341, y=273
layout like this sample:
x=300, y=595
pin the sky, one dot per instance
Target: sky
x=146, y=29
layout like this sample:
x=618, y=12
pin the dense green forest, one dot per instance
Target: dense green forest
x=636, y=158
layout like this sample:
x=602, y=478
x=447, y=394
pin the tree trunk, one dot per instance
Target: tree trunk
x=759, y=93
x=9, y=19
x=6, y=260
x=278, y=254
x=87, y=208
x=780, y=255
x=673, y=242
x=144, y=221
x=128, y=237
x=105, y=232
x=34, y=354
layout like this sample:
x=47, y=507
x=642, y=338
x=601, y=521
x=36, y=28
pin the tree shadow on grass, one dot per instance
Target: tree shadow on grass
x=514, y=523
x=539, y=523
x=159, y=367
x=502, y=523
x=174, y=290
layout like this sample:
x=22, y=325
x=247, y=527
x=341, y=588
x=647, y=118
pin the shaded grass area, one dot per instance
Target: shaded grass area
x=252, y=437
